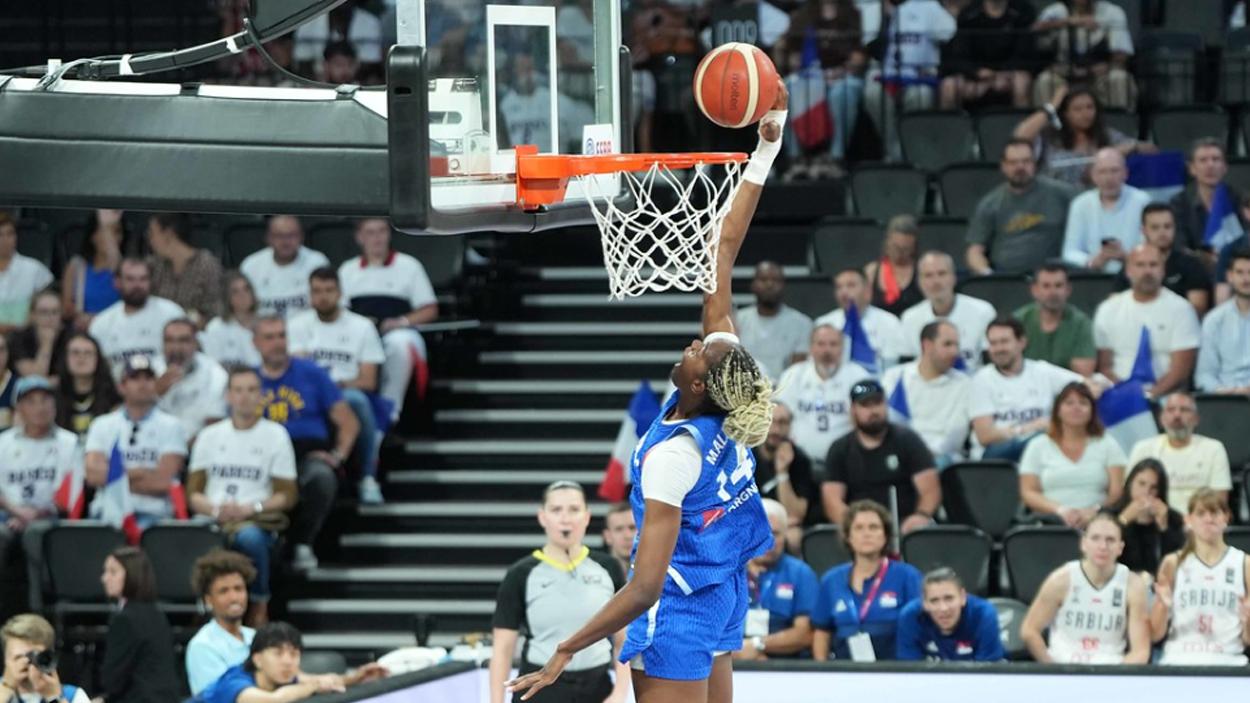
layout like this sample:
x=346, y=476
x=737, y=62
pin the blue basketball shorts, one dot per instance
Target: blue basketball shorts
x=678, y=637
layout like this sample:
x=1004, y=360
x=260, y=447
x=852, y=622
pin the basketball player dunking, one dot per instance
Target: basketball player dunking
x=1095, y=607
x=1200, y=598
x=694, y=498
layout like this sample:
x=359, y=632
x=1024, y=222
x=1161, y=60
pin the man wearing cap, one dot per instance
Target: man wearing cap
x=35, y=457
x=151, y=444
x=878, y=460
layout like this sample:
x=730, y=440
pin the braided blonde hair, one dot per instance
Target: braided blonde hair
x=737, y=386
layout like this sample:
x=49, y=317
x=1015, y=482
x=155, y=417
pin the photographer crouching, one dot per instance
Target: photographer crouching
x=30, y=664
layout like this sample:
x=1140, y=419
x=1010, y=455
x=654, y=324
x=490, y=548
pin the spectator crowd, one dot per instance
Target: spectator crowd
x=159, y=386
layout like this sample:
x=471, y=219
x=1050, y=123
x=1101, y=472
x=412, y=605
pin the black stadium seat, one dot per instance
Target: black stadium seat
x=335, y=239
x=881, y=191
x=441, y=255
x=822, y=548
x=1235, y=68
x=34, y=240
x=1177, y=128
x=1089, y=289
x=933, y=140
x=944, y=234
x=1167, y=67
x=963, y=185
x=837, y=244
x=1032, y=552
x=1227, y=418
x=810, y=295
x=1239, y=169
x=995, y=127
x=983, y=494
x=1238, y=536
x=964, y=549
x=242, y=239
x=1004, y=291
x=173, y=547
x=74, y=553
x=1011, y=614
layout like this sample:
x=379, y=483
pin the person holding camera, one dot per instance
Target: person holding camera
x=30, y=664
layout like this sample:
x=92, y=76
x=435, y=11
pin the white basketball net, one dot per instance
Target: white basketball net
x=649, y=248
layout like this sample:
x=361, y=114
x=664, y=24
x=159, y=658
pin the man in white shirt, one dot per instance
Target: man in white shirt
x=279, y=272
x=775, y=334
x=392, y=290
x=1191, y=460
x=913, y=30
x=21, y=277
x=221, y=578
x=1224, y=355
x=969, y=315
x=242, y=475
x=1010, y=400
x=35, y=457
x=151, y=441
x=347, y=347
x=193, y=386
x=1150, y=314
x=884, y=331
x=135, y=324
x=936, y=393
x=816, y=392
x=1105, y=221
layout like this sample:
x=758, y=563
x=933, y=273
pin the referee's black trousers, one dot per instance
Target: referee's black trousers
x=587, y=686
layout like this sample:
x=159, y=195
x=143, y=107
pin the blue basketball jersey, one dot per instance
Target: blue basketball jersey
x=723, y=525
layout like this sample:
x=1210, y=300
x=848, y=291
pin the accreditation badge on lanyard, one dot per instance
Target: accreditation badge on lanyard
x=860, y=644
x=758, y=616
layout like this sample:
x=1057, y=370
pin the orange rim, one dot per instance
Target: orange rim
x=542, y=178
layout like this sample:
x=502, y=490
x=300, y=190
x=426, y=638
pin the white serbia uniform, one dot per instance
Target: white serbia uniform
x=1206, y=627
x=1091, y=627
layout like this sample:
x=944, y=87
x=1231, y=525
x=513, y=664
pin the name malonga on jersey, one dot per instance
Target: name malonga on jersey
x=718, y=445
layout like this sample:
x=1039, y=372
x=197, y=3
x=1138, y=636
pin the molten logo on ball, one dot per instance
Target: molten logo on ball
x=735, y=84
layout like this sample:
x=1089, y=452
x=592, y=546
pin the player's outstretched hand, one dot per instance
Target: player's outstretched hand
x=770, y=130
x=531, y=684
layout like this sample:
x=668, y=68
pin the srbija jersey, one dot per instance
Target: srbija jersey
x=1206, y=628
x=1091, y=626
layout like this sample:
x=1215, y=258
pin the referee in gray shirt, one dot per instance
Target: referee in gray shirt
x=546, y=596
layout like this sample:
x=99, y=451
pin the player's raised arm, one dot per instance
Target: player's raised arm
x=718, y=306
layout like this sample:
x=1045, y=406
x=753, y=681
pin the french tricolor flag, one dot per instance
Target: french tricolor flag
x=1123, y=408
x=643, y=408
x=1223, y=227
x=69, y=497
x=115, y=507
x=899, y=409
x=862, y=352
x=813, y=125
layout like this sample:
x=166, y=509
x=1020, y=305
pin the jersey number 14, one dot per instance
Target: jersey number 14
x=744, y=470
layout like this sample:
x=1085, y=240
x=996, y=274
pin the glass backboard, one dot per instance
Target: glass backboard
x=510, y=72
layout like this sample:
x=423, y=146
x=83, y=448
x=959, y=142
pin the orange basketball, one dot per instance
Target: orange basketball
x=735, y=84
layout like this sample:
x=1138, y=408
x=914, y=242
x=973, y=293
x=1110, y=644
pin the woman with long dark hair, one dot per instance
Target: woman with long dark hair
x=86, y=389
x=87, y=284
x=895, y=285
x=1200, y=608
x=37, y=347
x=1069, y=130
x=1151, y=528
x=139, y=650
x=1075, y=469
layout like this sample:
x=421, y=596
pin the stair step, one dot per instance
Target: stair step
x=537, y=447
x=467, y=510
x=632, y=329
x=490, y=386
x=454, y=540
x=408, y=574
x=529, y=416
x=596, y=358
x=491, y=477
x=592, y=300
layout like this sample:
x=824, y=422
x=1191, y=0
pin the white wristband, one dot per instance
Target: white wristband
x=761, y=161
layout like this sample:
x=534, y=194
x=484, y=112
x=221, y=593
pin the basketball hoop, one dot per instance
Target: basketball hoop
x=647, y=246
